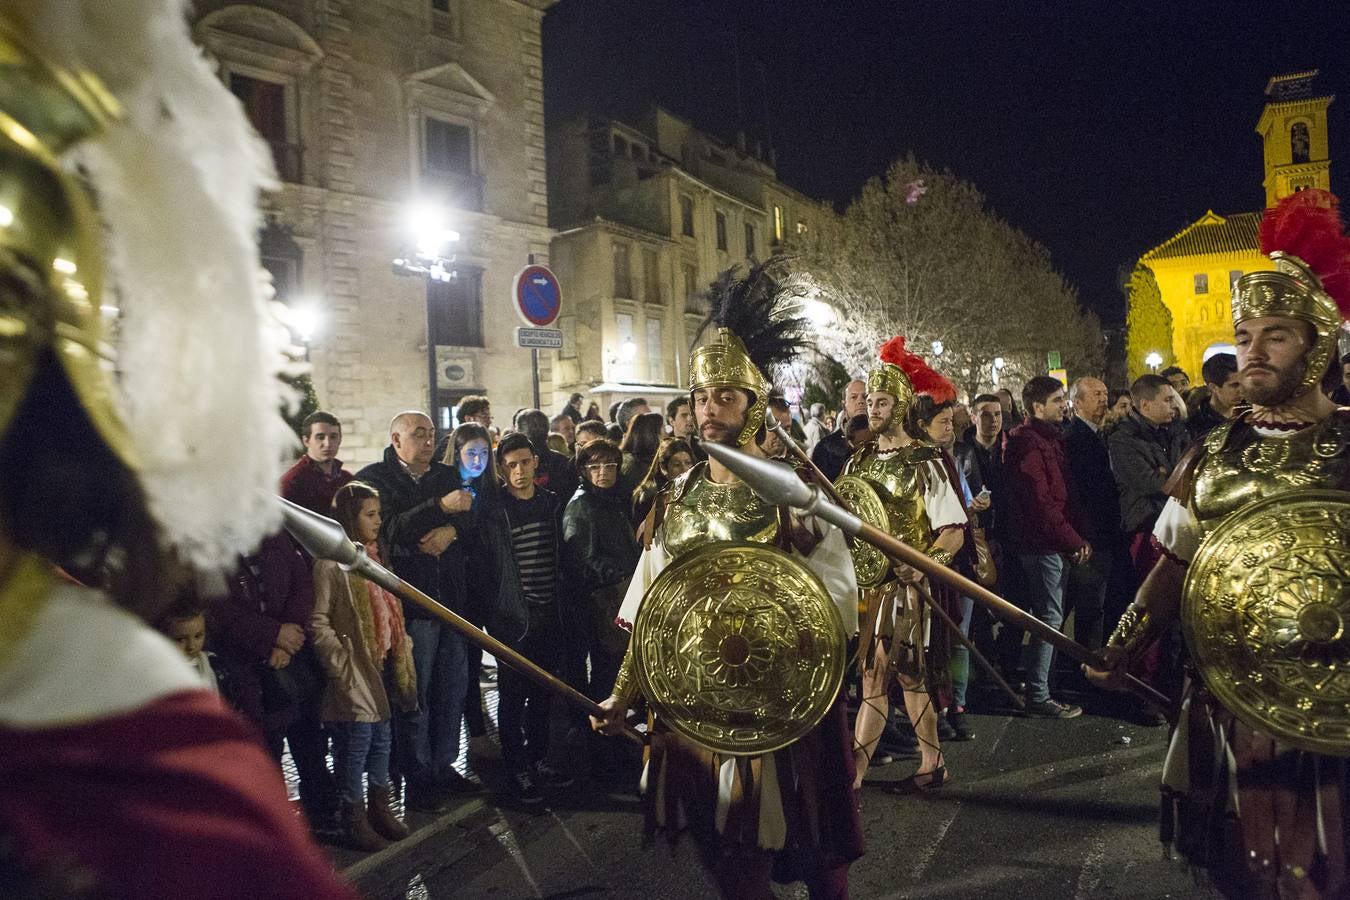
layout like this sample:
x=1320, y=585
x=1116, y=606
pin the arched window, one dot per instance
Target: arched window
x=1299, y=145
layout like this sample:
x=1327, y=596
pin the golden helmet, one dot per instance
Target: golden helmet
x=50, y=266
x=1303, y=235
x=723, y=362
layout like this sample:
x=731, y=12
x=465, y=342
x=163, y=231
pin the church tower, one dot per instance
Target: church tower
x=1293, y=128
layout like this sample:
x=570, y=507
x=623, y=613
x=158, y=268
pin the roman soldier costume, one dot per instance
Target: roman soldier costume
x=1254, y=786
x=905, y=491
x=749, y=746
x=119, y=775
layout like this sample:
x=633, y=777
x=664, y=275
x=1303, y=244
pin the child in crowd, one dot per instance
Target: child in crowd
x=185, y=625
x=360, y=639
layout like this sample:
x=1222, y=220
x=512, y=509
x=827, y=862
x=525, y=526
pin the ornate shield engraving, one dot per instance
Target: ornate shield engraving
x=869, y=564
x=739, y=647
x=1265, y=608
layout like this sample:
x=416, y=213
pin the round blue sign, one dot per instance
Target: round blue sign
x=538, y=296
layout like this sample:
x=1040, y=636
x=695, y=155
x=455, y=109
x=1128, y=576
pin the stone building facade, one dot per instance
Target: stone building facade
x=373, y=108
x=647, y=215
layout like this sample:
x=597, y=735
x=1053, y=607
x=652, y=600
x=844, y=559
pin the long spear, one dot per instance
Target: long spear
x=323, y=538
x=778, y=484
x=924, y=597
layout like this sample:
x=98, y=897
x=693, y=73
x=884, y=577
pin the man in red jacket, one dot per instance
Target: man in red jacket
x=317, y=475
x=1049, y=534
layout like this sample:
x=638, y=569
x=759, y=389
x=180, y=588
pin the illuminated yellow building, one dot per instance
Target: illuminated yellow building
x=1196, y=267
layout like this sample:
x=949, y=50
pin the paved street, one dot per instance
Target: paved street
x=1037, y=809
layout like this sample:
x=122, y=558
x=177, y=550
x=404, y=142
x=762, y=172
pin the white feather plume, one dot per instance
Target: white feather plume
x=177, y=185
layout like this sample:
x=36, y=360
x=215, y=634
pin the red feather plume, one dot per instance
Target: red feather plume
x=922, y=376
x=1307, y=224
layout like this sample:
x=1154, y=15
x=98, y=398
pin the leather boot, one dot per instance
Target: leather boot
x=380, y=816
x=357, y=831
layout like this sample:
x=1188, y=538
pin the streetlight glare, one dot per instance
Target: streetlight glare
x=304, y=321
x=1153, y=360
x=629, y=350
x=427, y=225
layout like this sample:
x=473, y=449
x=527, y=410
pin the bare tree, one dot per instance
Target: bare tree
x=919, y=253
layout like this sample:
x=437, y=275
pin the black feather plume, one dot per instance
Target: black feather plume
x=765, y=309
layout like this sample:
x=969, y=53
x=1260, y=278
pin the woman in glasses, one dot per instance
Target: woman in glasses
x=599, y=555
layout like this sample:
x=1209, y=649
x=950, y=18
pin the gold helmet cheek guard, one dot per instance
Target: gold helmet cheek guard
x=890, y=379
x=724, y=362
x=50, y=272
x=1292, y=290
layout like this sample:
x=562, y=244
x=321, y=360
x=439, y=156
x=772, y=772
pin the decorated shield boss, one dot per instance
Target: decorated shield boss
x=739, y=648
x=1265, y=608
x=870, y=565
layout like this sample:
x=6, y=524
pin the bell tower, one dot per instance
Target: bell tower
x=1293, y=129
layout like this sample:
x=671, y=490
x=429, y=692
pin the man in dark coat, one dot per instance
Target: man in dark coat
x=1090, y=467
x=1048, y=537
x=834, y=450
x=1223, y=391
x=422, y=512
x=1144, y=451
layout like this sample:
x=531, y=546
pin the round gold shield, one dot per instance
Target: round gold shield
x=1265, y=608
x=870, y=565
x=739, y=647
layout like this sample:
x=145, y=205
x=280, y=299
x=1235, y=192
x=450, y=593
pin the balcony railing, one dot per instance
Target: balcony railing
x=289, y=159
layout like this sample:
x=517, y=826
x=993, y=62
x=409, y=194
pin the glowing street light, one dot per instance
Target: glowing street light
x=629, y=350
x=1153, y=360
x=937, y=348
x=427, y=234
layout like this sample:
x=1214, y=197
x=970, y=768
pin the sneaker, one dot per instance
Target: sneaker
x=944, y=729
x=960, y=725
x=484, y=748
x=522, y=786
x=1051, y=709
x=426, y=798
x=455, y=783
x=550, y=777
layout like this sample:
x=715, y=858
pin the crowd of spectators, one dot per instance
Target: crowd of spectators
x=533, y=532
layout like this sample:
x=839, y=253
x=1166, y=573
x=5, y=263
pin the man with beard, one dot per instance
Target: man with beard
x=1243, y=794
x=799, y=821
x=925, y=512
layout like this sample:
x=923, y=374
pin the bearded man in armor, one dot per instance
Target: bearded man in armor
x=1255, y=791
x=782, y=816
x=923, y=510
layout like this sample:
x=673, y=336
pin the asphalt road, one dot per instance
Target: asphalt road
x=1035, y=809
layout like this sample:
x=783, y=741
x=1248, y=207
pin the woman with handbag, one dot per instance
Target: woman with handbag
x=360, y=637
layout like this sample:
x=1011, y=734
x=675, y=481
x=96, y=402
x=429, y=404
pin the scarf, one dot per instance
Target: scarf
x=386, y=615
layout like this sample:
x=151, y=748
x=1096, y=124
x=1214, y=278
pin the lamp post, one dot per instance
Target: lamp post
x=304, y=323
x=1153, y=360
x=422, y=255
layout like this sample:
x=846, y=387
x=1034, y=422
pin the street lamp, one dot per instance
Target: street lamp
x=937, y=348
x=999, y=363
x=1153, y=360
x=304, y=322
x=422, y=254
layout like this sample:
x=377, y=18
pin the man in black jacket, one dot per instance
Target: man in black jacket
x=1223, y=392
x=1144, y=451
x=422, y=511
x=834, y=450
x=1090, y=468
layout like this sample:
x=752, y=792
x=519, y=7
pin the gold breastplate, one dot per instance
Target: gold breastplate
x=1241, y=466
x=899, y=480
x=699, y=510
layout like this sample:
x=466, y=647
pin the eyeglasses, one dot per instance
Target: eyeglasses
x=597, y=468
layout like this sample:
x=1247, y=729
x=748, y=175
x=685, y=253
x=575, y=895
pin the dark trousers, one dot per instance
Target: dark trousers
x=523, y=707
x=1085, y=596
x=473, y=695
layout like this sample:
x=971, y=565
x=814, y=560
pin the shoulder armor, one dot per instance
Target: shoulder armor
x=1332, y=437
x=676, y=490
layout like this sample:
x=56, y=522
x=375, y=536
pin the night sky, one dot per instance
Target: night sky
x=1098, y=127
